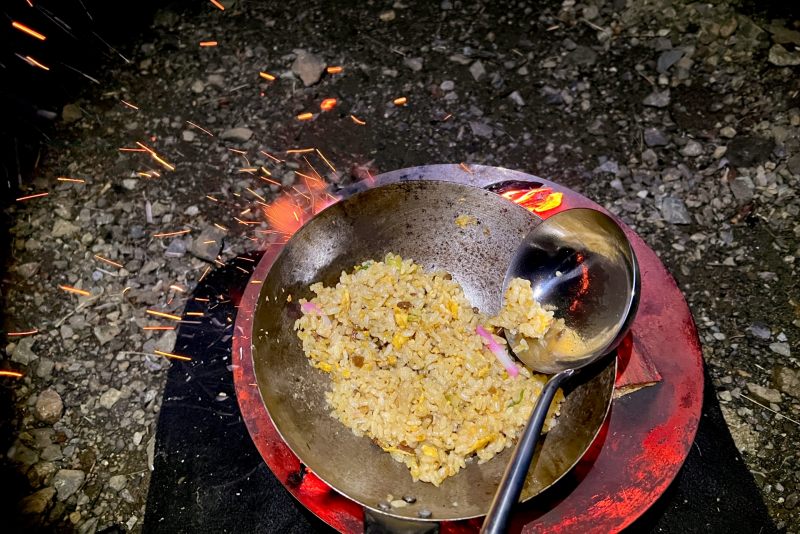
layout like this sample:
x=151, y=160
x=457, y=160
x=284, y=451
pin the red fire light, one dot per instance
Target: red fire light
x=538, y=200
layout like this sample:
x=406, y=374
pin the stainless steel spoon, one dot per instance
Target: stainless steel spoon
x=580, y=262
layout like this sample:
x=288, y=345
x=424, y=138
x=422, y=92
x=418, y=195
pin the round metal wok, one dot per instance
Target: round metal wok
x=416, y=220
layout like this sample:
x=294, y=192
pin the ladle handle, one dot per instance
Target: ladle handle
x=510, y=487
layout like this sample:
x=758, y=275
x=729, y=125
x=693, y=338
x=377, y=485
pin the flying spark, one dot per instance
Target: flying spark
x=26, y=333
x=129, y=105
x=35, y=63
x=70, y=289
x=158, y=328
x=164, y=315
x=106, y=260
x=334, y=70
x=37, y=195
x=75, y=180
x=29, y=31
x=208, y=43
x=357, y=120
x=328, y=104
x=170, y=234
x=305, y=116
x=267, y=76
x=12, y=374
x=299, y=150
x=217, y=4
x=328, y=163
x=169, y=354
x=400, y=101
x=465, y=168
x=270, y=156
x=190, y=123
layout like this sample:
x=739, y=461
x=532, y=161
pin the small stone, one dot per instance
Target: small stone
x=481, y=129
x=49, y=406
x=188, y=136
x=385, y=506
x=749, y=151
x=20, y=454
x=729, y=132
x=71, y=113
x=216, y=80
x=410, y=499
x=130, y=183
x=309, y=67
x=791, y=501
x=657, y=99
x=517, y=98
x=787, y=380
x=727, y=28
x=655, y=137
x=667, y=59
x=446, y=5
x=208, y=244
x=106, y=332
x=237, y=134
x=198, y=86
x=28, y=270
x=176, y=248
x=725, y=396
x=477, y=70
x=581, y=56
x=388, y=15
x=288, y=178
x=425, y=513
x=75, y=517
x=109, y=398
x=742, y=188
x=52, y=453
x=45, y=368
x=794, y=164
x=447, y=85
x=781, y=348
x=23, y=352
x=166, y=342
x=692, y=149
x=413, y=63
x=760, y=330
x=765, y=395
x=781, y=57
x=674, y=211
x=117, y=482
x=67, y=482
x=63, y=228
x=37, y=503
x=40, y=474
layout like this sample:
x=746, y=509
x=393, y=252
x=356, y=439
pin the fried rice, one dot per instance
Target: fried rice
x=409, y=371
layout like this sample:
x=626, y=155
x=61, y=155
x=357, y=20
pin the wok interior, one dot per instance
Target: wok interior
x=416, y=220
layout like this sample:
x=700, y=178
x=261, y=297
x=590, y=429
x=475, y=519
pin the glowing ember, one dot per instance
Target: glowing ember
x=465, y=168
x=305, y=116
x=357, y=120
x=267, y=76
x=164, y=315
x=299, y=150
x=208, y=43
x=106, y=260
x=129, y=105
x=334, y=70
x=70, y=289
x=170, y=234
x=537, y=200
x=75, y=180
x=158, y=328
x=29, y=31
x=169, y=354
x=35, y=63
x=328, y=104
x=217, y=4
x=190, y=123
x=12, y=374
x=37, y=195
x=283, y=215
x=328, y=163
x=400, y=101
x=26, y=333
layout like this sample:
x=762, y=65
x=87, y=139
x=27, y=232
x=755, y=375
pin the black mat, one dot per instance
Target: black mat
x=209, y=477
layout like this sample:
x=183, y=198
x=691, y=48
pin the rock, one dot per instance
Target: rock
x=67, y=482
x=667, y=59
x=692, y=149
x=765, y=395
x=63, y=228
x=130, y=183
x=216, y=80
x=45, y=368
x=581, y=56
x=783, y=35
x=198, y=86
x=791, y=501
x=728, y=132
x=781, y=57
x=166, y=342
x=781, y=348
x=760, y=330
x=176, y=248
x=49, y=407
x=787, y=380
x=481, y=129
x=388, y=15
x=117, y=482
x=40, y=474
x=109, y=398
x=208, y=244
x=188, y=136
x=413, y=63
x=106, y=332
x=609, y=166
x=71, y=113
x=674, y=211
x=20, y=454
x=309, y=67
x=725, y=396
x=657, y=99
x=477, y=70
x=749, y=151
x=237, y=134
x=447, y=85
x=655, y=137
x=37, y=503
x=52, y=453
x=516, y=98
x=28, y=270
x=794, y=164
x=742, y=188
x=23, y=352
x=727, y=28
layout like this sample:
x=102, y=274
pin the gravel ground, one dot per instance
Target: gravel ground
x=684, y=119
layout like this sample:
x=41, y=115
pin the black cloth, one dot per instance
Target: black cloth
x=209, y=477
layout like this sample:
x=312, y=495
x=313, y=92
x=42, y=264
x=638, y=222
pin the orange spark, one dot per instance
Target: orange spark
x=158, y=328
x=106, y=260
x=209, y=197
x=12, y=374
x=256, y=281
x=256, y=195
x=195, y=314
x=201, y=299
x=199, y=128
x=273, y=182
x=164, y=315
x=299, y=150
x=35, y=63
x=250, y=170
x=221, y=227
x=328, y=104
x=538, y=200
x=270, y=156
x=282, y=215
x=156, y=156
x=169, y=234
x=208, y=43
x=334, y=70
x=75, y=180
x=328, y=163
x=26, y=333
x=177, y=288
x=357, y=120
x=169, y=354
x=265, y=171
x=400, y=101
x=204, y=274
x=305, y=116
x=29, y=31
x=447, y=117
x=465, y=168
x=70, y=289
x=126, y=149
x=217, y=4
x=37, y=195
x=129, y=105
x=267, y=76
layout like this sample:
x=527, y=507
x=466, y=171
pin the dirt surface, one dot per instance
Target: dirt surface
x=683, y=119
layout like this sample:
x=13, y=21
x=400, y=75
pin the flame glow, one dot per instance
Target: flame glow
x=538, y=200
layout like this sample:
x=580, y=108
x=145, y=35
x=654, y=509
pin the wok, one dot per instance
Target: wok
x=416, y=220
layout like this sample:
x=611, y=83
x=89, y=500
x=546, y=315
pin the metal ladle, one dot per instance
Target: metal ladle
x=579, y=262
